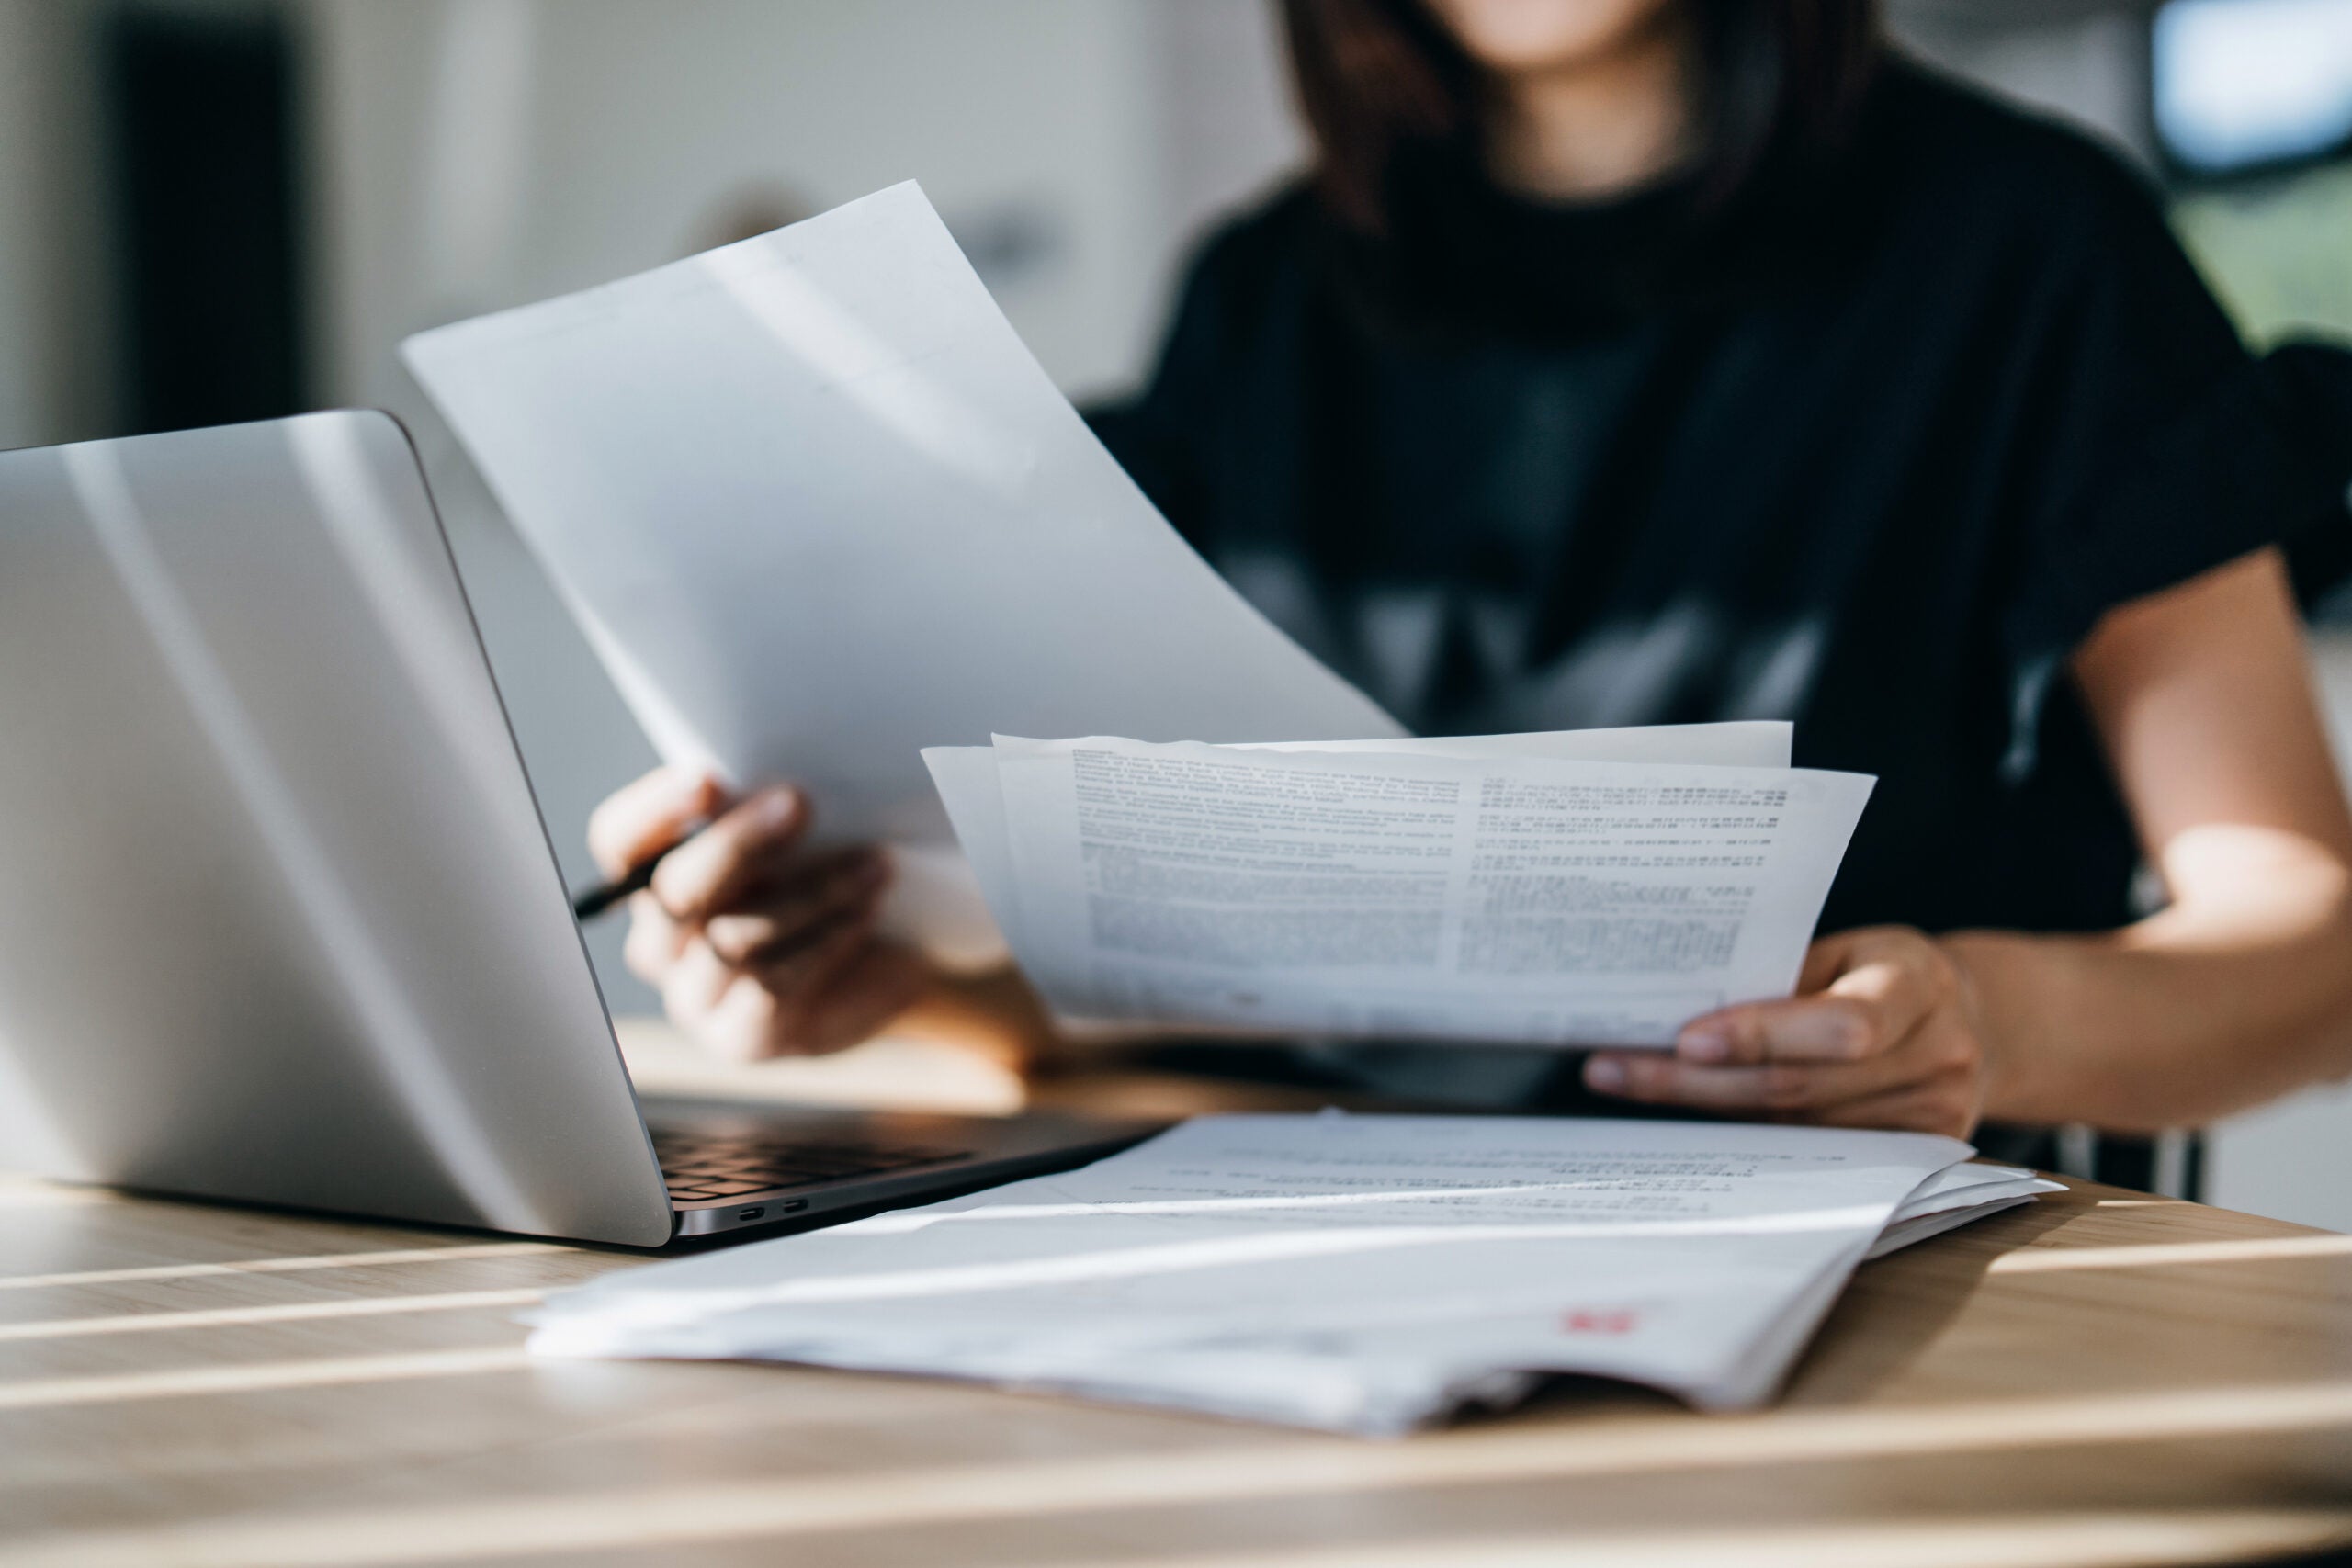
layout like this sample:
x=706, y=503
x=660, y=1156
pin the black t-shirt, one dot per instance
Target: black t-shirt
x=1869, y=447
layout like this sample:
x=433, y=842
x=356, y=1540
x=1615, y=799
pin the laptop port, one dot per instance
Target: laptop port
x=749, y=1214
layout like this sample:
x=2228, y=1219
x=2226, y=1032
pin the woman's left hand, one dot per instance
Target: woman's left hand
x=1881, y=1033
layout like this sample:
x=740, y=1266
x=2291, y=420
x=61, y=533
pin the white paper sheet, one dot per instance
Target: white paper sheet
x=1463, y=891
x=1741, y=743
x=817, y=508
x=1955, y=1197
x=1365, y=1274
x=965, y=776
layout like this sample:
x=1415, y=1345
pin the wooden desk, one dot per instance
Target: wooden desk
x=2103, y=1378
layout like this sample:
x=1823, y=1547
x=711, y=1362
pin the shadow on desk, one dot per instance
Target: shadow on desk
x=1895, y=1308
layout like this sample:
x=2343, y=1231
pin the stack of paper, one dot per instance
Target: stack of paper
x=1364, y=1274
x=1579, y=888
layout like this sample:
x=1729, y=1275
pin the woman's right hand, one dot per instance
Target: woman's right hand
x=759, y=946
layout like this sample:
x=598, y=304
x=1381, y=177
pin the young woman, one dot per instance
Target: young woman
x=1659, y=361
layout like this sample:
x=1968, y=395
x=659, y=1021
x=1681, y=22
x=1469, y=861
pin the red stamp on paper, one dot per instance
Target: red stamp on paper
x=1601, y=1319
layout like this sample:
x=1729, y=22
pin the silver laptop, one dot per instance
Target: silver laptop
x=278, y=917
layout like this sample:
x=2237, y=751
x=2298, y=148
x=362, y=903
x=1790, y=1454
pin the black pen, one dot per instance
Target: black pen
x=587, y=906
x=605, y=895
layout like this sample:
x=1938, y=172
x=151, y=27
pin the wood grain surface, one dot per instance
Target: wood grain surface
x=2101, y=1378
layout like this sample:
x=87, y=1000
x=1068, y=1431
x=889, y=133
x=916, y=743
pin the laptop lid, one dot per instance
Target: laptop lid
x=278, y=918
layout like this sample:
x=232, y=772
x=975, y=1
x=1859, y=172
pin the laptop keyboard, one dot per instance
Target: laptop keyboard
x=702, y=1166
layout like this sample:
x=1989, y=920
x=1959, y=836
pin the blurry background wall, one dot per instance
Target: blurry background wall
x=438, y=158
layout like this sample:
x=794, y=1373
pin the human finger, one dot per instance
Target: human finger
x=693, y=985
x=1825, y=958
x=753, y=1012
x=833, y=996
x=654, y=940
x=770, y=920
x=649, y=815
x=1659, y=1079
x=880, y=981
x=745, y=842
x=1878, y=994
x=801, y=966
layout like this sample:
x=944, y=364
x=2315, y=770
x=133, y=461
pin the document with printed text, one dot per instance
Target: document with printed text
x=1360, y=1273
x=1500, y=891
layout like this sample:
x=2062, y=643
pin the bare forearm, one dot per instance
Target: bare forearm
x=2171, y=1022
x=2242, y=989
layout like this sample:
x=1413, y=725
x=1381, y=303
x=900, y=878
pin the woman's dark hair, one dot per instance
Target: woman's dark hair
x=1374, y=77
